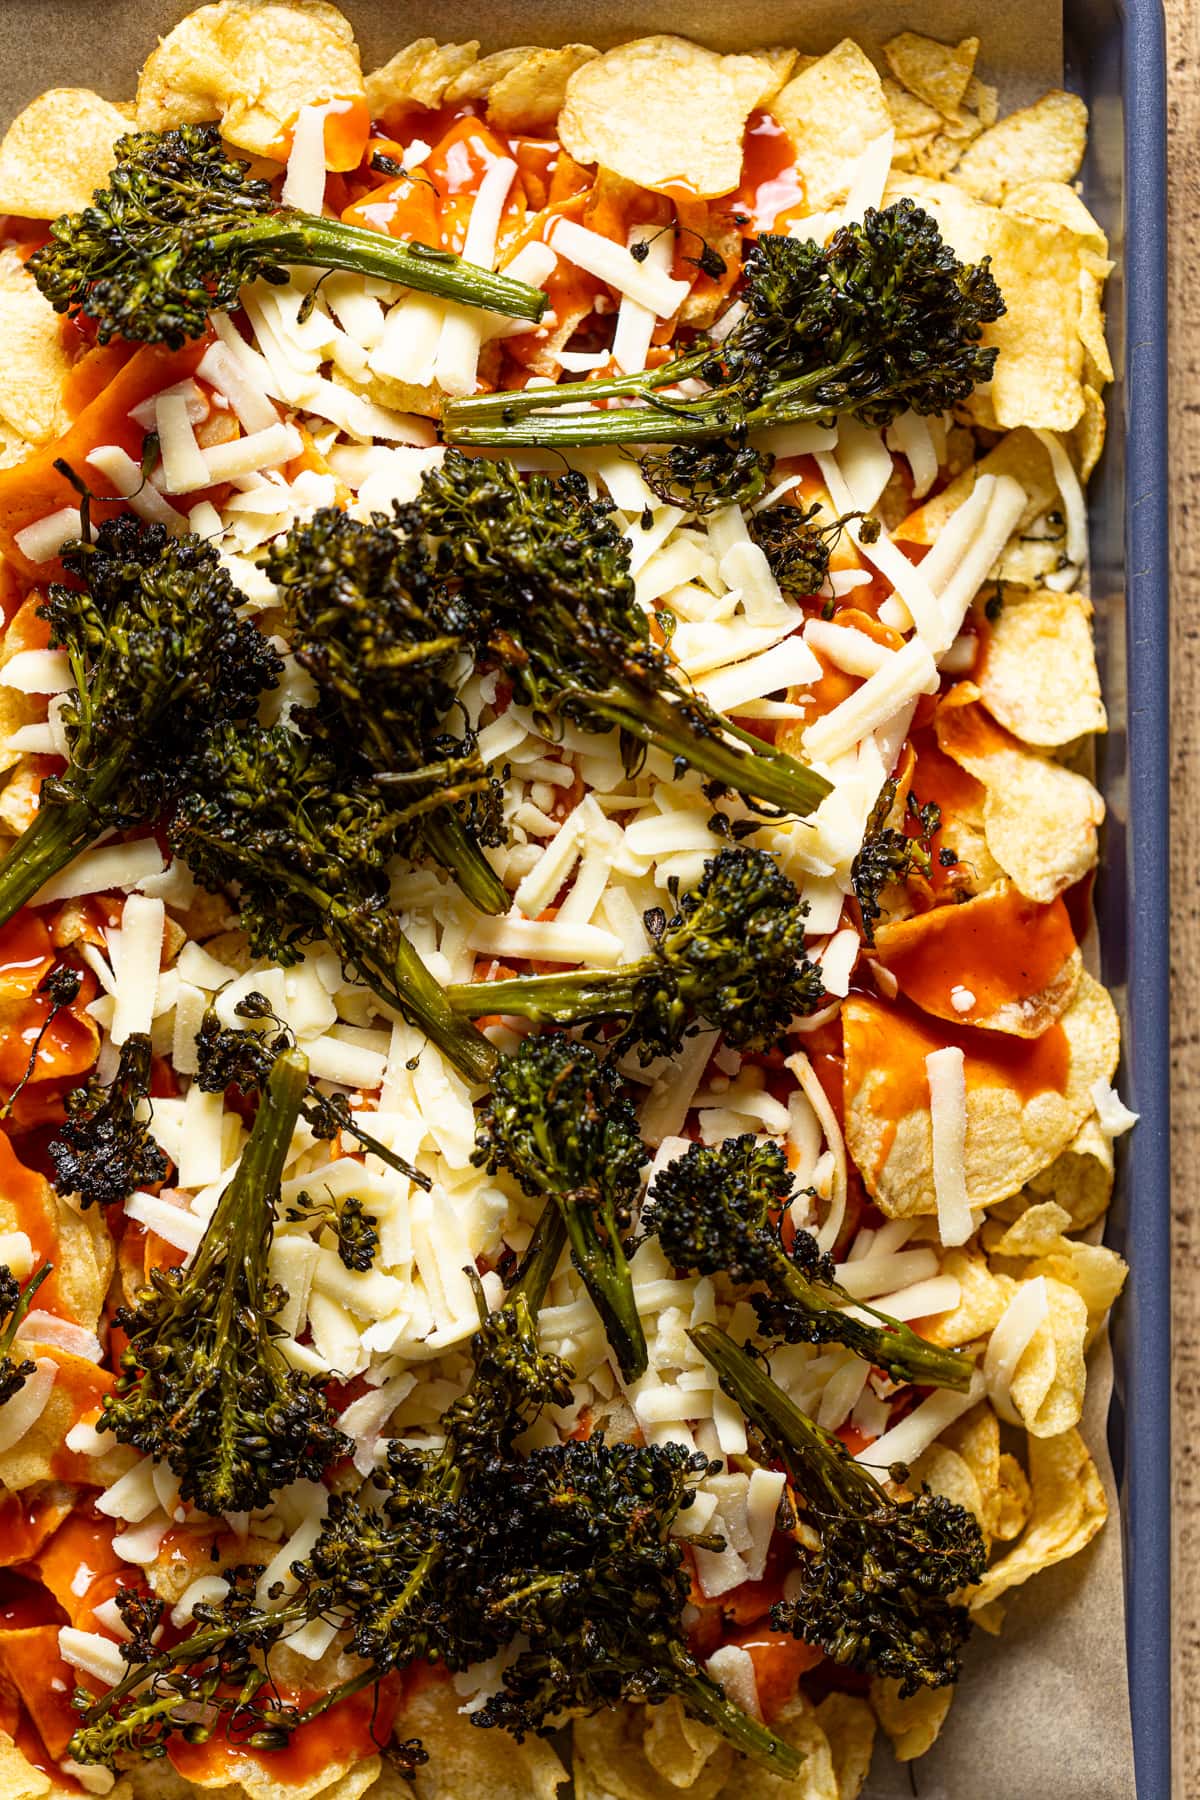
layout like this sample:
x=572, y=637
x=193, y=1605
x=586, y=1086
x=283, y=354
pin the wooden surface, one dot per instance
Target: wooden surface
x=1183, y=71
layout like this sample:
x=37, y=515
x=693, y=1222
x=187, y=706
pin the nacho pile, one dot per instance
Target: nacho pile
x=945, y=1107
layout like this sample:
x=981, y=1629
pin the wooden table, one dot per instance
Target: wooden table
x=1183, y=73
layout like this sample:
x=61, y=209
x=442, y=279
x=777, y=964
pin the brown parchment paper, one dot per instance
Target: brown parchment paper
x=1042, y=1712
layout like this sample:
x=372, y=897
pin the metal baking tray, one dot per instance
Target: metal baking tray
x=1115, y=58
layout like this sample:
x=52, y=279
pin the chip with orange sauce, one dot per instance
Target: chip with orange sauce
x=667, y=113
x=998, y=962
x=1025, y=1097
x=254, y=65
x=1040, y=819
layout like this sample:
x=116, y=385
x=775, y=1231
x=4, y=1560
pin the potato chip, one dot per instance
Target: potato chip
x=57, y=152
x=797, y=1724
x=1088, y=437
x=665, y=113
x=1081, y=1179
x=1091, y=327
x=1042, y=142
x=1036, y=1232
x=19, y=1780
x=1048, y=1383
x=976, y=1439
x=1039, y=818
x=35, y=363
x=1015, y=1500
x=982, y=1301
x=423, y=74
x=911, y=1724
x=944, y=1471
x=1038, y=673
x=1068, y=1508
x=1096, y=1273
x=253, y=64
x=831, y=111
x=849, y=1727
x=38, y=1456
x=19, y=798
x=915, y=124
x=1036, y=263
x=464, y=1761
x=676, y=1746
x=1059, y=204
x=530, y=96
x=347, y=1779
x=984, y=100
x=16, y=710
x=998, y=962
x=611, y=1763
x=1025, y=1097
x=936, y=73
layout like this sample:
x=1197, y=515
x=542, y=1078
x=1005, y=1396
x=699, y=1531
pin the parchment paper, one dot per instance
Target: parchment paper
x=1042, y=1712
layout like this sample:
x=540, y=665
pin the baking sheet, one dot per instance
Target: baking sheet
x=1045, y=1708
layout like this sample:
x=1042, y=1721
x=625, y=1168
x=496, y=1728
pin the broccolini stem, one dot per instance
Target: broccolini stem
x=541, y=1258
x=406, y=983
x=889, y=1344
x=605, y=1273
x=506, y=408
x=450, y=844
x=662, y=421
x=53, y=838
x=312, y=242
x=817, y=1464
x=706, y=1699
x=771, y=775
x=566, y=999
x=353, y=1685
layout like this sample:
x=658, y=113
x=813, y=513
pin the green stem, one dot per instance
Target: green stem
x=506, y=408
x=890, y=1345
x=406, y=983
x=605, y=1273
x=541, y=1258
x=306, y=241
x=550, y=999
x=22, y=1307
x=706, y=1699
x=817, y=1463
x=451, y=844
x=53, y=838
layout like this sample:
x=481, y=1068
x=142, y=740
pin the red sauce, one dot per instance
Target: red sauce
x=779, y=1661
x=1000, y=947
x=27, y=1520
x=893, y=1039
x=772, y=188
x=356, y=1727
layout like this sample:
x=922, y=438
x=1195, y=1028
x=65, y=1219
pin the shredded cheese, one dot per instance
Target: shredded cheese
x=1026, y=1311
x=908, y=672
x=613, y=264
x=948, y=1111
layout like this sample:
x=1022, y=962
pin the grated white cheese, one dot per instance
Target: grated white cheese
x=1028, y=1309
x=911, y=436
x=1071, y=493
x=612, y=264
x=237, y=381
x=1112, y=1114
x=785, y=665
x=119, y=468
x=42, y=541
x=184, y=468
x=93, y=1653
x=948, y=1112
x=169, y=1222
x=847, y=648
x=908, y=672
x=869, y=178
x=547, y=940
x=106, y=867
x=456, y=359
x=864, y=461
x=38, y=672
x=304, y=179
x=635, y=320
x=917, y=1430
x=257, y=450
x=22, y=1412
x=136, y=969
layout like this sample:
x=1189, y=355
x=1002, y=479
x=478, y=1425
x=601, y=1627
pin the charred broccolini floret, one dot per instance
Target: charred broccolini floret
x=204, y=1385
x=351, y=1224
x=732, y=957
x=702, y=478
x=307, y=845
x=15, y=1302
x=888, y=854
x=562, y=1124
x=372, y=627
x=180, y=229
x=104, y=1150
x=243, y=1059
x=879, y=1594
x=798, y=549
x=542, y=572
x=596, y=1583
x=396, y=1566
x=882, y=319
x=157, y=654
x=720, y=1210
